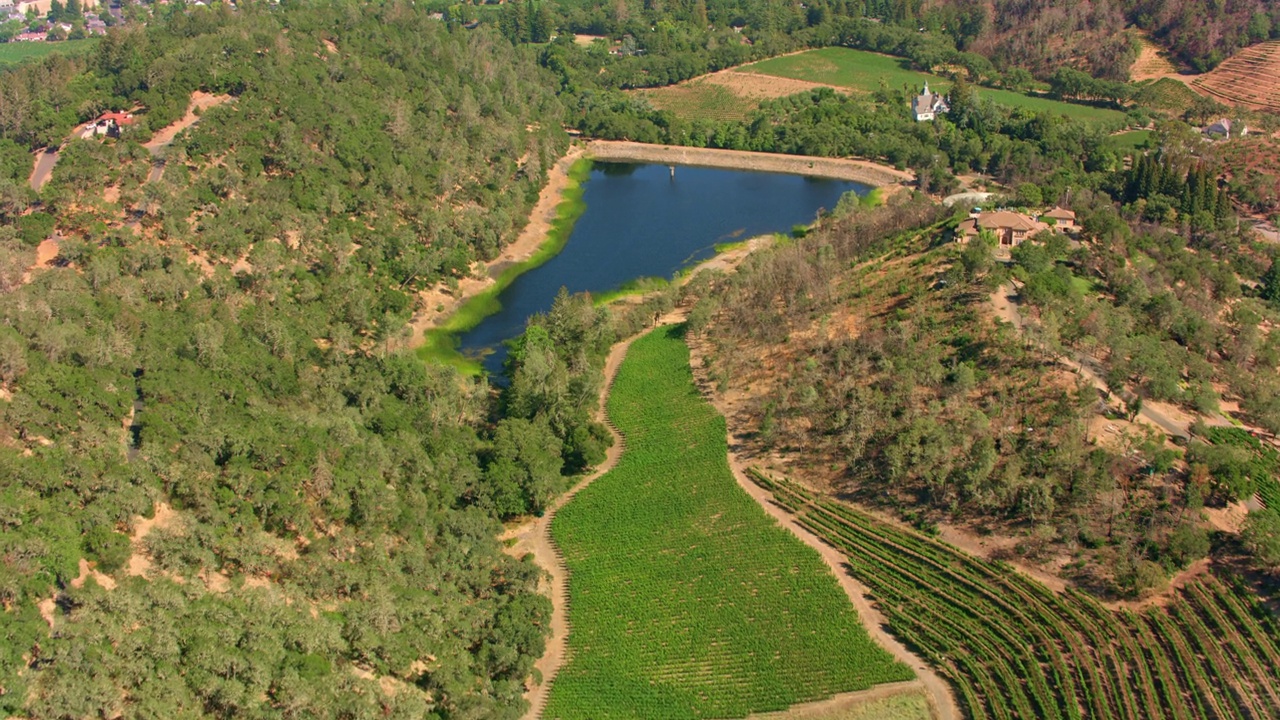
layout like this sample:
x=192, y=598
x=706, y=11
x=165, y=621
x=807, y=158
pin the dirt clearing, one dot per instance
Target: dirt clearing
x=200, y=101
x=1153, y=63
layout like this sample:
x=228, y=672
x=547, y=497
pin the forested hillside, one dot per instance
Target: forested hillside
x=323, y=514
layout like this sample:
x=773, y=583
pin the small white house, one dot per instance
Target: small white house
x=928, y=105
x=1224, y=128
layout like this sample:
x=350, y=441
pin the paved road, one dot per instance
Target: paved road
x=44, y=166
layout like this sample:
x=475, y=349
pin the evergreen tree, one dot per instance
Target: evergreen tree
x=1269, y=286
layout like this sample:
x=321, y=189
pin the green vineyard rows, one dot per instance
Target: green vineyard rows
x=686, y=599
x=1014, y=649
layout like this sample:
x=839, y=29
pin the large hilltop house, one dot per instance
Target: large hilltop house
x=928, y=105
x=1011, y=228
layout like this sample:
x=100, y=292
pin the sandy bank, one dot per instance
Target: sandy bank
x=863, y=171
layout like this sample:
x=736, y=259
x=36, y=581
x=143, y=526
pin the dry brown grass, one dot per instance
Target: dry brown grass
x=1152, y=63
x=726, y=95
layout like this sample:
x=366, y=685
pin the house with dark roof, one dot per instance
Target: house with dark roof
x=928, y=105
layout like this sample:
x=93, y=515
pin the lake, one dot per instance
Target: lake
x=642, y=222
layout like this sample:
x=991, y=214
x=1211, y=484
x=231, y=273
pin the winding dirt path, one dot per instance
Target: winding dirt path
x=535, y=537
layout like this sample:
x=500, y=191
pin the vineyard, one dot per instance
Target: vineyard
x=1250, y=77
x=686, y=600
x=1014, y=649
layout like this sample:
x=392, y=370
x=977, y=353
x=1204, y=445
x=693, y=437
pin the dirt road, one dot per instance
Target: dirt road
x=863, y=171
x=45, y=161
x=535, y=537
x=1004, y=301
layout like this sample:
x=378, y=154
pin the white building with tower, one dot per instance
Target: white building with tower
x=928, y=105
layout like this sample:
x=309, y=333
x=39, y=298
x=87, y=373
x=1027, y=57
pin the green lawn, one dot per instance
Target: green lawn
x=15, y=52
x=862, y=70
x=686, y=599
x=1131, y=140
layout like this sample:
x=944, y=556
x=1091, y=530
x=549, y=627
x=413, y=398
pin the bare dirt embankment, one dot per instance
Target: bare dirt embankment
x=863, y=171
x=1153, y=63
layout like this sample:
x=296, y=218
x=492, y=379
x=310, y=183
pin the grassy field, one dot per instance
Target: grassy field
x=15, y=52
x=1013, y=648
x=701, y=101
x=865, y=71
x=1131, y=140
x=686, y=599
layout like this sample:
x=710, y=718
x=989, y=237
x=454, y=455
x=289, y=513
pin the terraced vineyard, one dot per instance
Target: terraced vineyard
x=1251, y=77
x=686, y=599
x=1014, y=649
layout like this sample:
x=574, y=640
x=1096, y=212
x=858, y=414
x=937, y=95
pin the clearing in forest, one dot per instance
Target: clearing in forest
x=686, y=599
x=724, y=95
x=1153, y=63
x=865, y=71
x=1251, y=78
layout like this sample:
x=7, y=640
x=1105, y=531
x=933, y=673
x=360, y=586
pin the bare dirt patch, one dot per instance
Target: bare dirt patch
x=757, y=86
x=586, y=40
x=200, y=101
x=163, y=518
x=47, y=607
x=1153, y=63
x=46, y=253
x=891, y=701
x=726, y=95
x=87, y=571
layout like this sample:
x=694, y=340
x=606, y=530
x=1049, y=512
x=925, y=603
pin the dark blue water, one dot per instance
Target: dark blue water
x=640, y=222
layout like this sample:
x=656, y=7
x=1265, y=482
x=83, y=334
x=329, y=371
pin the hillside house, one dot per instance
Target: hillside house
x=1062, y=219
x=928, y=105
x=1224, y=129
x=1010, y=228
x=108, y=124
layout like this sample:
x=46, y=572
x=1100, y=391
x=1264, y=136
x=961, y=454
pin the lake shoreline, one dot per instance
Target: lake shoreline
x=438, y=305
x=861, y=171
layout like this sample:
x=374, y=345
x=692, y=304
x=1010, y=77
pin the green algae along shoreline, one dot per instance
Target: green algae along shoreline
x=439, y=344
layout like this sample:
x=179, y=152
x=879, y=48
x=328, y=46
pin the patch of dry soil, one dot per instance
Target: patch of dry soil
x=200, y=101
x=1153, y=63
x=163, y=518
